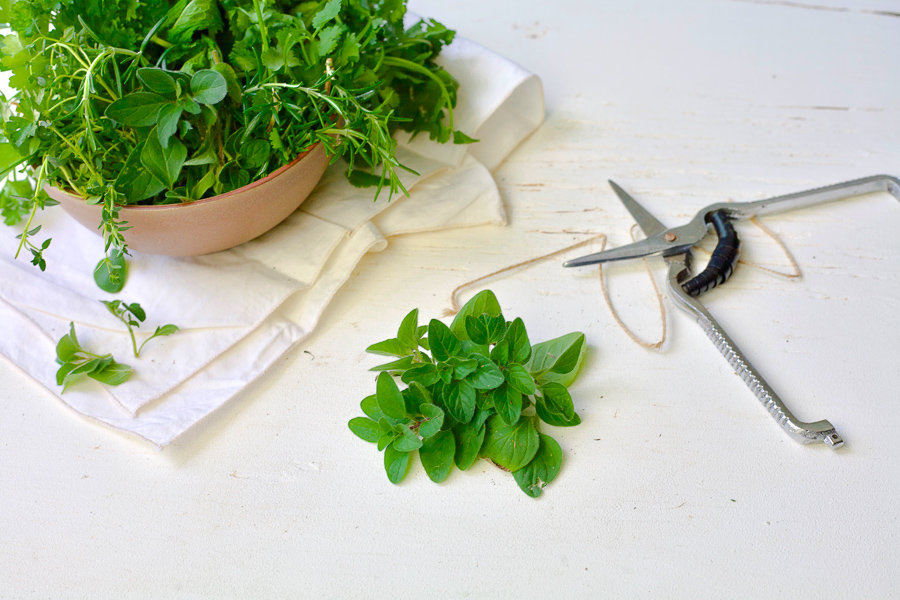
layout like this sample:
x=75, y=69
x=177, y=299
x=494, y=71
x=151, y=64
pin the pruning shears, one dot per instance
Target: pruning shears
x=675, y=243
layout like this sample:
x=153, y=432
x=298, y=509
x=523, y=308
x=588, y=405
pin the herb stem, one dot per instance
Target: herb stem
x=38, y=186
x=417, y=68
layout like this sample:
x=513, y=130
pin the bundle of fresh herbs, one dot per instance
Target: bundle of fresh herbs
x=481, y=392
x=129, y=102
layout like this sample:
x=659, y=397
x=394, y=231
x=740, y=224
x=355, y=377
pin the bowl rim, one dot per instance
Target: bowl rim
x=202, y=201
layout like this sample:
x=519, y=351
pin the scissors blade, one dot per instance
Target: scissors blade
x=649, y=224
x=637, y=249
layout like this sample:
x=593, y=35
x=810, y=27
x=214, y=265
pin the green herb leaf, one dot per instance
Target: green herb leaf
x=542, y=469
x=517, y=339
x=398, y=365
x=442, y=341
x=408, y=441
x=111, y=272
x=459, y=400
x=511, y=446
x=437, y=455
x=164, y=163
x=157, y=81
x=487, y=376
x=426, y=375
x=68, y=347
x=167, y=123
x=508, y=403
x=520, y=379
x=476, y=329
x=369, y=406
x=208, y=87
x=326, y=14
x=390, y=401
x=558, y=359
x=112, y=374
x=396, y=464
x=554, y=406
x=365, y=428
x=391, y=347
x=139, y=109
x=406, y=334
x=484, y=302
x=433, y=420
x=469, y=441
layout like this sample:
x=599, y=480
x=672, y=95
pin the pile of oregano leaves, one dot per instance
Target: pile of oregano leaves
x=167, y=101
x=482, y=392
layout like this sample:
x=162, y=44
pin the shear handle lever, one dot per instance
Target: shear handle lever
x=721, y=263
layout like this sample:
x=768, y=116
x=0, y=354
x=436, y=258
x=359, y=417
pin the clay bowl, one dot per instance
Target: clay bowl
x=211, y=224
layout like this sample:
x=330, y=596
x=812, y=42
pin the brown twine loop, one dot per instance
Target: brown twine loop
x=659, y=302
x=795, y=272
x=454, y=295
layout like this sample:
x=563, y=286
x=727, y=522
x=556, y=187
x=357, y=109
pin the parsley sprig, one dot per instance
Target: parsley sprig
x=474, y=389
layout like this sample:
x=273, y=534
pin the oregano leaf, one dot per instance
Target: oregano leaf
x=542, y=469
x=365, y=428
x=396, y=463
x=511, y=446
x=437, y=455
x=442, y=341
x=388, y=396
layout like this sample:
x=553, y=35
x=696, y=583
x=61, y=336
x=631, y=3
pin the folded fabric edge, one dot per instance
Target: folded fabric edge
x=303, y=311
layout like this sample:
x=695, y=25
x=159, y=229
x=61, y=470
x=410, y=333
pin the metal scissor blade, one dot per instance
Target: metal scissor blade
x=637, y=249
x=649, y=224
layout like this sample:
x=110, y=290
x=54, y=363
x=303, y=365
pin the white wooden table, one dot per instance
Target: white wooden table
x=678, y=484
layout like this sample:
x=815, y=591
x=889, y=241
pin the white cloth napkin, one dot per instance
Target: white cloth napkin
x=241, y=309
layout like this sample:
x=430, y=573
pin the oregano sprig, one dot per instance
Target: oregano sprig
x=132, y=315
x=76, y=362
x=474, y=389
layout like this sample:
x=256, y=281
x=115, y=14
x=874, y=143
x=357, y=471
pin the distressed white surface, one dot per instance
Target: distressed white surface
x=678, y=484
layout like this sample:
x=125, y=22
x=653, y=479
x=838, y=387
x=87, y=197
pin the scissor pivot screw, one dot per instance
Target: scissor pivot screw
x=670, y=237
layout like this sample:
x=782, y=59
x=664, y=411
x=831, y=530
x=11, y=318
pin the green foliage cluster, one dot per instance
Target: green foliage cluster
x=167, y=101
x=481, y=392
x=76, y=362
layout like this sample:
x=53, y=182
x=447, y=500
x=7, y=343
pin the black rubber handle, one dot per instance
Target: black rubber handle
x=721, y=263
